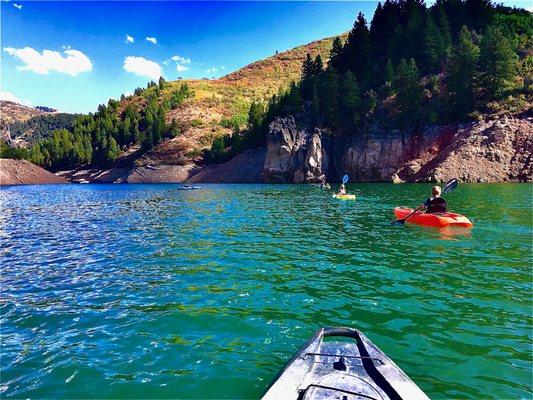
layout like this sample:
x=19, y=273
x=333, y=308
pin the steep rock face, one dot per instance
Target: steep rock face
x=495, y=150
x=295, y=155
x=492, y=151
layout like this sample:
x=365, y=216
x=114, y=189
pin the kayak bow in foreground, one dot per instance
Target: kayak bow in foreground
x=352, y=369
x=344, y=196
x=438, y=220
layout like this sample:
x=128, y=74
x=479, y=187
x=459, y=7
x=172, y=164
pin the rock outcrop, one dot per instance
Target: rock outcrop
x=22, y=172
x=295, y=155
x=497, y=150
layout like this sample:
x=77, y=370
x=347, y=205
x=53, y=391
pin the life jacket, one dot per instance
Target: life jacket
x=436, y=205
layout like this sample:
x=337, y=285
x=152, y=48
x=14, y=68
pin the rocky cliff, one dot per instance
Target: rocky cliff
x=295, y=155
x=493, y=150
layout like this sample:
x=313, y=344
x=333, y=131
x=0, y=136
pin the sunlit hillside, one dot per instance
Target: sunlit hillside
x=202, y=116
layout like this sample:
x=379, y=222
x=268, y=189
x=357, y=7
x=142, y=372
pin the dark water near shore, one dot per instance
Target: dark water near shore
x=144, y=291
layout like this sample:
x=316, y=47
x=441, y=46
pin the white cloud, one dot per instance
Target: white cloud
x=19, y=6
x=73, y=63
x=8, y=96
x=129, y=39
x=211, y=70
x=151, y=39
x=181, y=60
x=142, y=67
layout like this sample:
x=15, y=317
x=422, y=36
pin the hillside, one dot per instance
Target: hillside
x=14, y=112
x=214, y=101
x=21, y=126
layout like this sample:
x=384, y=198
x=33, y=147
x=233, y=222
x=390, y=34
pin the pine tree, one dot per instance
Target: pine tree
x=357, y=50
x=435, y=48
x=397, y=50
x=454, y=11
x=174, y=129
x=350, y=99
x=389, y=72
x=134, y=132
x=382, y=29
x=88, y=149
x=308, y=77
x=112, y=151
x=47, y=158
x=308, y=67
x=162, y=82
x=158, y=128
x=479, y=14
x=36, y=155
x=412, y=17
x=461, y=75
x=443, y=25
x=293, y=101
x=335, y=54
x=218, y=150
x=497, y=64
x=328, y=91
x=408, y=93
x=318, y=65
x=255, y=116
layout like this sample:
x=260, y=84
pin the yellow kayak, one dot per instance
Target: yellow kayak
x=344, y=196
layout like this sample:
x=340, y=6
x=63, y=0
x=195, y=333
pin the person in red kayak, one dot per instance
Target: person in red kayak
x=435, y=203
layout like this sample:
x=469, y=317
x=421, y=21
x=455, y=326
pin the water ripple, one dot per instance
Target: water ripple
x=139, y=291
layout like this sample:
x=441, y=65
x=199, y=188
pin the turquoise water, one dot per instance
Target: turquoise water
x=139, y=291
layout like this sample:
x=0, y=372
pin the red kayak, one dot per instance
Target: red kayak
x=438, y=220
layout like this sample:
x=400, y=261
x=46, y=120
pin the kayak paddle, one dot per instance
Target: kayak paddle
x=345, y=179
x=449, y=187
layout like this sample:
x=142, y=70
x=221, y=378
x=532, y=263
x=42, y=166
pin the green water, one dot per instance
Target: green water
x=139, y=291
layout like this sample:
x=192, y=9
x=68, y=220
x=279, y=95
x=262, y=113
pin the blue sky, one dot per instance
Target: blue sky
x=76, y=55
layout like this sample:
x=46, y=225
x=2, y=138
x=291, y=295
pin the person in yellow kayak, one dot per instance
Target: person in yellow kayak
x=342, y=190
x=435, y=203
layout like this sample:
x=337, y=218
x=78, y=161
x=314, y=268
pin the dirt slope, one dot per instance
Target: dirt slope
x=244, y=168
x=21, y=172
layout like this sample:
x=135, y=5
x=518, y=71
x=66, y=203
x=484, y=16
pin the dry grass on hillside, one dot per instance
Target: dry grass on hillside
x=13, y=112
x=230, y=95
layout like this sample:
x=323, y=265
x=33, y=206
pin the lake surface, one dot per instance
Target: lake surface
x=144, y=291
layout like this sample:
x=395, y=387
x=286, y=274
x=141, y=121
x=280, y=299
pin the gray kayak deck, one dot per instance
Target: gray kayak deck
x=351, y=368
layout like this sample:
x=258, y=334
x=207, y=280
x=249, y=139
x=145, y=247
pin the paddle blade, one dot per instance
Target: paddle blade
x=398, y=222
x=450, y=186
x=345, y=179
